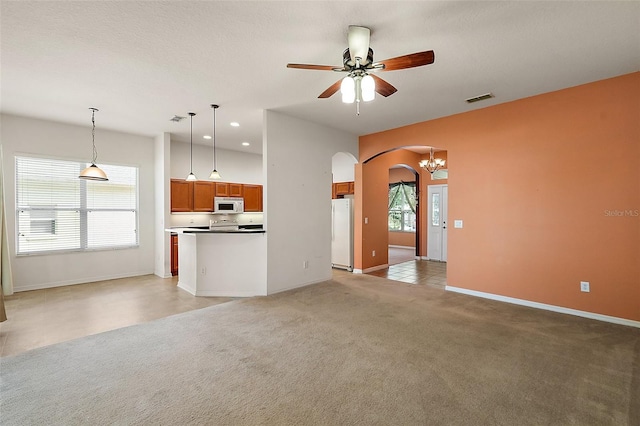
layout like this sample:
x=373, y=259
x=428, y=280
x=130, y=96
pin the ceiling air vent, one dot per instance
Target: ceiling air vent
x=479, y=98
x=177, y=118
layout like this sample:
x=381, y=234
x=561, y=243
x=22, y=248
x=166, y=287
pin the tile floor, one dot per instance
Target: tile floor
x=416, y=272
x=403, y=267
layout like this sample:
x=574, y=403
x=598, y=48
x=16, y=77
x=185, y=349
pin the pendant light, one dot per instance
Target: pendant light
x=191, y=176
x=214, y=174
x=93, y=172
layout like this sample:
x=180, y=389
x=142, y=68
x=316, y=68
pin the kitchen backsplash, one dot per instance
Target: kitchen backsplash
x=200, y=219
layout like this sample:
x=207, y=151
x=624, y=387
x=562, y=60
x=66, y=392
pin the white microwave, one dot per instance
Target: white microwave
x=228, y=205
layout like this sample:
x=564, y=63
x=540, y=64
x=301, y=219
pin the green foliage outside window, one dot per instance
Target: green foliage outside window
x=402, y=207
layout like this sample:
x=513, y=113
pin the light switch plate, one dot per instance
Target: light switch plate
x=457, y=223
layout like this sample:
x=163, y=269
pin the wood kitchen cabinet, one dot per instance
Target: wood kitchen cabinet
x=203, y=193
x=174, y=254
x=181, y=195
x=342, y=188
x=236, y=190
x=222, y=189
x=252, y=198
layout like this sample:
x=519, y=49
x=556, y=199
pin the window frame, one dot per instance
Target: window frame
x=82, y=209
x=402, y=212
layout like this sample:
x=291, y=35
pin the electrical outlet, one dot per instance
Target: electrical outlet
x=305, y=264
x=584, y=286
x=366, y=220
x=373, y=253
x=203, y=271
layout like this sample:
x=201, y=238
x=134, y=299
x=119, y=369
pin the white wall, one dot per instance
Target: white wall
x=343, y=167
x=22, y=135
x=162, y=163
x=234, y=166
x=297, y=158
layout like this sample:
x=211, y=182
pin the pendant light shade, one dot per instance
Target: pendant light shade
x=214, y=174
x=93, y=172
x=191, y=176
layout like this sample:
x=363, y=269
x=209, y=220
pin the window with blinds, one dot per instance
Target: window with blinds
x=57, y=211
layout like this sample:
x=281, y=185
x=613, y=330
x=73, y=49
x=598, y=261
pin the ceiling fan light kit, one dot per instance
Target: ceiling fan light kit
x=357, y=60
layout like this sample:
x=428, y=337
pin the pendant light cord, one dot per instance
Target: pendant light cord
x=191, y=163
x=214, y=136
x=93, y=134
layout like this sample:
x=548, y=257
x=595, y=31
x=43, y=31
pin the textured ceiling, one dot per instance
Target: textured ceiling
x=142, y=62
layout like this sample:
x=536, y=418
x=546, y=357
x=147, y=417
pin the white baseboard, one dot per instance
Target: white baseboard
x=357, y=271
x=553, y=308
x=42, y=286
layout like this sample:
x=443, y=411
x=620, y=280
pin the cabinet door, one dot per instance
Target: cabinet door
x=235, y=190
x=342, y=188
x=252, y=198
x=352, y=187
x=222, y=189
x=174, y=255
x=181, y=196
x=203, y=196
x=333, y=191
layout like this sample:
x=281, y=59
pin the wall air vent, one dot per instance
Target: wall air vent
x=177, y=118
x=479, y=98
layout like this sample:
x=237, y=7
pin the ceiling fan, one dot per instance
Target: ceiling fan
x=358, y=63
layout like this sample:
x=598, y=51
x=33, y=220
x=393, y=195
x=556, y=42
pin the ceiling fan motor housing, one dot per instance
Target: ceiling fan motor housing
x=350, y=65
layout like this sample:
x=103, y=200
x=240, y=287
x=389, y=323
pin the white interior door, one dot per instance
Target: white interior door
x=437, y=222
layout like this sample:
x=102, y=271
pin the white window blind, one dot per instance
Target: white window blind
x=56, y=210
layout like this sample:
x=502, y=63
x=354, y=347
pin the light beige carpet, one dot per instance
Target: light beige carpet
x=354, y=350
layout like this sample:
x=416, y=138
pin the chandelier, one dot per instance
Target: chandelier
x=432, y=164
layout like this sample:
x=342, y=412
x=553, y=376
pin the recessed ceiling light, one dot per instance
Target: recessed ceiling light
x=235, y=124
x=206, y=137
x=245, y=144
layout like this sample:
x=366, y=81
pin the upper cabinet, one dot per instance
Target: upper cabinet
x=222, y=189
x=252, y=198
x=236, y=190
x=203, y=196
x=198, y=196
x=341, y=189
x=181, y=196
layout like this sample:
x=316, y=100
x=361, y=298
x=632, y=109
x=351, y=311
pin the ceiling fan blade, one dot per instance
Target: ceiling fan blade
x=358, y=43
x=409, y=61
x=331, y=90
x=312, y=67
x=382, y=87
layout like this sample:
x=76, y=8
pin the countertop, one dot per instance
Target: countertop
x=206, y=230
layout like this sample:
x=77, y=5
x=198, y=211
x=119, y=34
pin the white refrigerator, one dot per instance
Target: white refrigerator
x=342, y=233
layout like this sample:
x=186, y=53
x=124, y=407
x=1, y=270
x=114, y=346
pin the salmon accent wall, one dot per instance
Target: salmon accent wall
x=404, y=239
x=549, y=191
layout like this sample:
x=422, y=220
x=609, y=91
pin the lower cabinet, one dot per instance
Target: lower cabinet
x=174, y=254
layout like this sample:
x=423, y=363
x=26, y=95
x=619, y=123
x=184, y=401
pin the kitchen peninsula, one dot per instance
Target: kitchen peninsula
x=223, y=263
